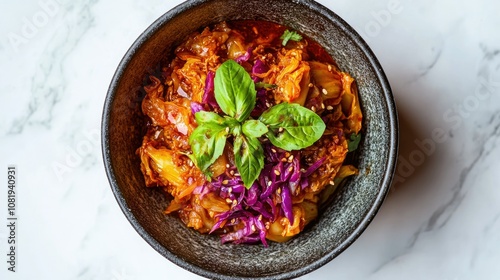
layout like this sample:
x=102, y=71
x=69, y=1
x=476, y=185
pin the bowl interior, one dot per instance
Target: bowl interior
x=355, y=203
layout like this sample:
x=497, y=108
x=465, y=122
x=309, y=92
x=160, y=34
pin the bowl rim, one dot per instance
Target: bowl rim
x=373, y=209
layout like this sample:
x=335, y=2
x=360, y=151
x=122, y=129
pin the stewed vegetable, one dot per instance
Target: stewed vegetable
x=248, y=128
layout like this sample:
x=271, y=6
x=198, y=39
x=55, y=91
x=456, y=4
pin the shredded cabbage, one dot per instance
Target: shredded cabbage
x=285, y=196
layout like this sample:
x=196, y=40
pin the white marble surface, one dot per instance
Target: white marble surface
x=441, y=220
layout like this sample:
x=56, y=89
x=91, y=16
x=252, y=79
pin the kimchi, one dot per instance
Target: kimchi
x=213, y=193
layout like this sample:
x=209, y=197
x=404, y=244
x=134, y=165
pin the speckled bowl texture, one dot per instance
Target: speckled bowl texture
x=354, y=204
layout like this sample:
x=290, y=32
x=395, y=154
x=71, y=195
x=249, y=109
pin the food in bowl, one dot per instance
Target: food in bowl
x=248, y=129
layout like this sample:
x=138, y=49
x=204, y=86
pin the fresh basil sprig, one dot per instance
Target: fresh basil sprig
x=353, y=142
x=254, y=128
x=288, y=126
x=207, y=143
x=290, y=35
x=234, y=90
x=249, y=158
x=292, y=127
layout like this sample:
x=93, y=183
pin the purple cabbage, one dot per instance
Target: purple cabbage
x=208, y=94
x=244, y=57
x=262, y=209
x=259, y=67
x=201, y=190
x=269, y=197
x=260, y=103
x=253, y=232
x=314, y=167
x=295, y=177
x=286, y=203
x=196, y=107
x=252, y=195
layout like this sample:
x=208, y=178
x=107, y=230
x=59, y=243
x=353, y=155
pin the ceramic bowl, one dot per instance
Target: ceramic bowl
x=353, y=205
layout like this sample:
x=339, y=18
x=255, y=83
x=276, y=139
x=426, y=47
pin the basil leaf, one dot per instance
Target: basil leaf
x=290, y=35
x=207, y=143
x=231, y=122
x=353, y=142
x=208, y=117
x=236, y=130
x=254, y=128
x=234, y=90
x=249, y=158
x=292, y=127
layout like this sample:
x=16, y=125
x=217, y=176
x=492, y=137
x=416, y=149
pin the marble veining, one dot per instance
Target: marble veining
x=49, y=82
x=441, y=220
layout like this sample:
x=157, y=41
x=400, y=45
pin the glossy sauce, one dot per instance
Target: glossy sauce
x=254, y=29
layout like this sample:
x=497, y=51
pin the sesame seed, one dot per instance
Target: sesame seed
x=311, y=85
x=227, y=165
x=227, y=129
x=269, y=183
x=190, y=163
x=277, y=172
x=283, y=159
x=329, y=108
x=290, y=169
x=313, y=109
x=157, y=133
x=290, y=158
x=233, y=221
x=231, y=172
x=273, y=150
x=234, y=202
x=280, y=129
x=329, y=68
x=322, y=105
x=268, y=104
x=260, y=217
x=332, y=183
x=225, y=182
x=228, y=200
x=254, y=228
x=324, y=91
x=236, y=174
x=278, y=191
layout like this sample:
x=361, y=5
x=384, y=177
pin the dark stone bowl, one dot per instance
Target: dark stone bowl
x=354, y=204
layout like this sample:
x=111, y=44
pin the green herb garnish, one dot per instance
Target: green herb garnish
x=234, y=90
x=292, y=127
x=288, y=126
x=265, y=85
x=290, y=35
x=254, y=128
x=353, y=142
x=249, y=158
x=207, y=142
